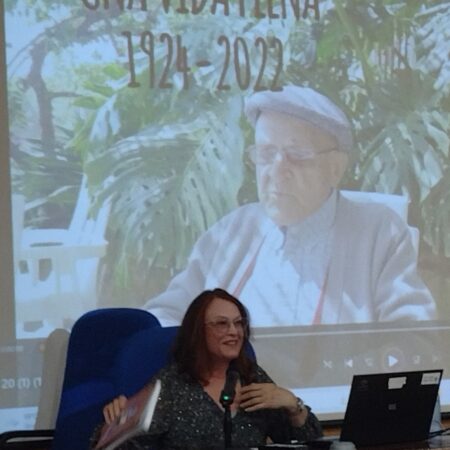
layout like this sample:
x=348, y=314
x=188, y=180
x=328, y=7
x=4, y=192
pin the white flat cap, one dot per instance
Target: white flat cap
x=305, y=104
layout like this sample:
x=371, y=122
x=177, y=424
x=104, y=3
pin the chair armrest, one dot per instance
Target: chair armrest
x=45, y=236
x=27, y=439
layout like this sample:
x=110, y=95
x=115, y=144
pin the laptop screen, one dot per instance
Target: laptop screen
x=387, y=408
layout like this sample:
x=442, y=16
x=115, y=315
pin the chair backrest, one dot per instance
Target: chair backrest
x=59, y=277
x=142, y=356
x=96, y=340
x=398, y=203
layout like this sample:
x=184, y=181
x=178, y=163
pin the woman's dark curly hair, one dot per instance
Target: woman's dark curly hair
x=190, y=351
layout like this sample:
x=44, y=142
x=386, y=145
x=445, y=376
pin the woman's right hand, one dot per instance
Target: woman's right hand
x=113, y=410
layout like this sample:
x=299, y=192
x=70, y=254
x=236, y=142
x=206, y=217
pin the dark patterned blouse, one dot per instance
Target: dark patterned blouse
x=186, y=417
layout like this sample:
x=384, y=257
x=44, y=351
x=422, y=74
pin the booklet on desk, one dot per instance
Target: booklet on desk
x=135, y=419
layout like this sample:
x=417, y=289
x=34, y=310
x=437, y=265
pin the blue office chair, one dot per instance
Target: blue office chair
x=94, y=372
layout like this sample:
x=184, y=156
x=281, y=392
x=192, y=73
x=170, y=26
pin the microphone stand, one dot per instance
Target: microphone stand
x=227, y=425
x=226, y=400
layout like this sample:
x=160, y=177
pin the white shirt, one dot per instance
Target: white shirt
x=290, y=272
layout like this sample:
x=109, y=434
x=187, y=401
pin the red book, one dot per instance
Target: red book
x=135, y=419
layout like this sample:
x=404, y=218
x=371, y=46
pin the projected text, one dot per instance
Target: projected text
x=234, y=67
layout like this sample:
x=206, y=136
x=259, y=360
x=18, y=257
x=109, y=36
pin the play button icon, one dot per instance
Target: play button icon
x=392, y=358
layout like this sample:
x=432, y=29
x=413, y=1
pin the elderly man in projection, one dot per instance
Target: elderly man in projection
x=304, y=254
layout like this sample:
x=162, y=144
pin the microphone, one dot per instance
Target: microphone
x=229, y=391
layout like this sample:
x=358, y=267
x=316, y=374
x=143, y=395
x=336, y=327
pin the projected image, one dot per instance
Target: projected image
x=293, y=153
x=304, y=254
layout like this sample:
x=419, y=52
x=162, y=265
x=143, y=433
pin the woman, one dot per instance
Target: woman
x=214, y=332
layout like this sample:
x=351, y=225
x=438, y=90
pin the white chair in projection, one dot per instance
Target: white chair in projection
x=56, y=269
x=398, y=203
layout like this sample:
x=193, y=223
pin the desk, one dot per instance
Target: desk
x=440, y=442
x=436, y=443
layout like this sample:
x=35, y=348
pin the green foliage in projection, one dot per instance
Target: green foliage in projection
x=386, y=64
x=172, y=160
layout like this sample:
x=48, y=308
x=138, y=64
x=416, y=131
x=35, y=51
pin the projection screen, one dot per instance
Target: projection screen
x=124, y=152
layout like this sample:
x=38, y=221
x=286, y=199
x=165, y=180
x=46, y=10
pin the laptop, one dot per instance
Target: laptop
x=389, y=408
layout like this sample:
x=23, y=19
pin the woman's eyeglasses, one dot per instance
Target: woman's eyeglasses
x=223, y=325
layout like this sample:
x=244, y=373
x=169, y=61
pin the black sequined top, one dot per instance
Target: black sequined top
x=186, y=417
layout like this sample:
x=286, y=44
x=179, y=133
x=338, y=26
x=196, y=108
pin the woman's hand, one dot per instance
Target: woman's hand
x=113, y=410
x=268, y=395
